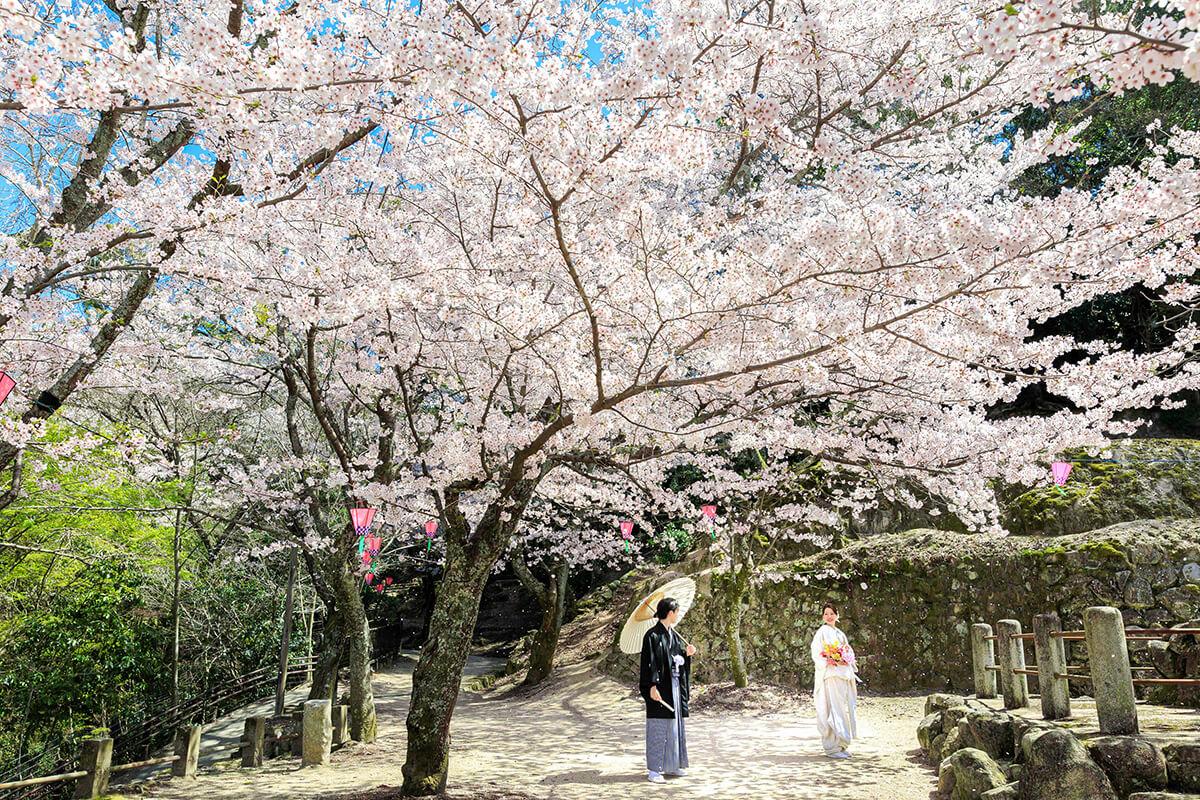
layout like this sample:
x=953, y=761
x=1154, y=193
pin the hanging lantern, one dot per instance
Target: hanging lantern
x=1060, y=470
x=361, y=517
x=6, y=385
x=430, y=529
x=709, y=511
x=627, y=533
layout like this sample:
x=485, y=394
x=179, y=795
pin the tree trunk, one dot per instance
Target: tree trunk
x=329, y=658
x=731, y=589
x=553, y=599
x=438, y=675
x=346, y=587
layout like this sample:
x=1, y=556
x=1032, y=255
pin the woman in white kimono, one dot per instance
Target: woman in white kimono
x=834, y=689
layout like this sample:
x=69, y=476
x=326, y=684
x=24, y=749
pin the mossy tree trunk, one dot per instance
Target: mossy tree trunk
x=731, y=590
x=470, y=557
x=552, y=597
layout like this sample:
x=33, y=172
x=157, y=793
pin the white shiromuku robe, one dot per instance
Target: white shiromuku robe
x=834, y=693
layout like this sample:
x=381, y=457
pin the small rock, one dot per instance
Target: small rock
x=940, y=702
x=1132, y=763
x=929, y=729
x=1057, y=767
x=953, y=742
x=967, y=774
x=1006, y=792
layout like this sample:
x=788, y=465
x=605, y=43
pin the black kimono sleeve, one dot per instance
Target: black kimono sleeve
x=649, y=675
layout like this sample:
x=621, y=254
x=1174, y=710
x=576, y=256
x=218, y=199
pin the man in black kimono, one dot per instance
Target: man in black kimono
x=665, y=683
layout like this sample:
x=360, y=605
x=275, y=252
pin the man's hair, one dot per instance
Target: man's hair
x=666, y=606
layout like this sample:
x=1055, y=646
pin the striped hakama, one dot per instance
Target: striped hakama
x=666, y=744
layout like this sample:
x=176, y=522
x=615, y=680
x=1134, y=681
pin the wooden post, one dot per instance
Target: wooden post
x=1112, y=680
x=187, y=747
x=1012, y=658
x=983, y=655
x=1051, y=661
x=95, y=758
x=341, y=725
x=252, y=742
x=287, y=635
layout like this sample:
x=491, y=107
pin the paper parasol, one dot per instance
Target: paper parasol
x=642, y=619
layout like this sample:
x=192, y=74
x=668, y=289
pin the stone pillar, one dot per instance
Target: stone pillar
x=1112, y=680
x=1012, y=657
x=252, y=742
x=298, y=742
x=1051, y=661
x=95, y=757
x=983, y=655
x=187, y=747
x=341, y=725
x=318, y=732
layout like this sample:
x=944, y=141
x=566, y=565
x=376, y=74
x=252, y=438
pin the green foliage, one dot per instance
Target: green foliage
x=669, y=543
x=90, y=657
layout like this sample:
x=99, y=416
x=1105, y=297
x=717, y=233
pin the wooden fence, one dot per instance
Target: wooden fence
x=1003, y=653
x=93, y=768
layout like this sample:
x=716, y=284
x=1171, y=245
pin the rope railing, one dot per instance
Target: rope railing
x=1107, y=642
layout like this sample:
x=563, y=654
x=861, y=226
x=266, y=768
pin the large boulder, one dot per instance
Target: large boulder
x=1132, y=763
x=989, y=731
x=967, y=774
x=1021, y=726
x=1006, y=792
x=1183, y=766
x=1057, y=767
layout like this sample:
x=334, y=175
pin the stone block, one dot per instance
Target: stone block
x=1132, y=763
x=187, y=747
x=1057, y=767
x=935, y=749
x=95, y=758
x=953, y=742
x=1006, y=792
x=967, y=774
x=317, y=734
x=1183, y=766
x=252, y=741
x=1191, y=572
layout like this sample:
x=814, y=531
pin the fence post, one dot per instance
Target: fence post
x=1051, y=660
x=252, y=742
x=1112, y=680
x=95, y=756
x=187, y=747
x=318, y=733
x=983, y=655
x=340, y=716
x=270, y=748
x=1012, y=657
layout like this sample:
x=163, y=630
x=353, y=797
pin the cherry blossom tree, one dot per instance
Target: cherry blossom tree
x=599, y=233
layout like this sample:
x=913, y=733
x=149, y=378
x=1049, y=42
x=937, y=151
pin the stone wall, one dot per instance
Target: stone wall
x=907, y=600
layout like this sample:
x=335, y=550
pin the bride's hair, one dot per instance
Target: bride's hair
x=829, y=605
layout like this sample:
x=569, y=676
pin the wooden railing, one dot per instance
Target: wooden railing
x=1111, y=674
x=93, y=767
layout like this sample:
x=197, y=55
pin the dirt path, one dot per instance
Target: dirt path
x=581, y=738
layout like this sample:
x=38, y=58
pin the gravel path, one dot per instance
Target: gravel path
x=580, y=737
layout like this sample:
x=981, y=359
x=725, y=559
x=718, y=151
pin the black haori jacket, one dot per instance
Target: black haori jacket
x=659, y=647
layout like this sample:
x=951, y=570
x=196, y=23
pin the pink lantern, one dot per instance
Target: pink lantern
x=370, y=577
x=6, y=385
x=709, y=511
x=430, y=528
x=361, y=517
x=627, y=529
x=1060, y=470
